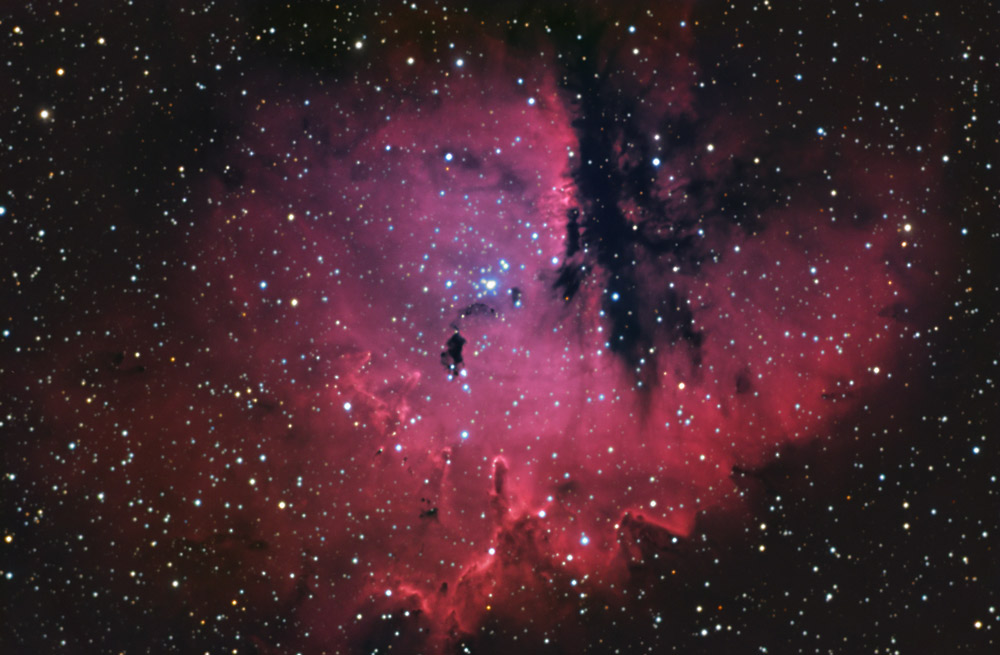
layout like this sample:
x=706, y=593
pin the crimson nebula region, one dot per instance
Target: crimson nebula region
x=538, y=327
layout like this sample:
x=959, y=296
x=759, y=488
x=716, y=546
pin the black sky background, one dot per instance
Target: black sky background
x=835, y=508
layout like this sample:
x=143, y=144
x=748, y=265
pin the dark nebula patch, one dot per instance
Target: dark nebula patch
x=452, y=358
x=477, y=309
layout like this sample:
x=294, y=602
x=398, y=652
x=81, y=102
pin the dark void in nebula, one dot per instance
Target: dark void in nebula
x=537, y=327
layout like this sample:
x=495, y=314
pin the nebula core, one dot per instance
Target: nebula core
x=561, y=329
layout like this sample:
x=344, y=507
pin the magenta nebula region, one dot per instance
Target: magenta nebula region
x=531, y=328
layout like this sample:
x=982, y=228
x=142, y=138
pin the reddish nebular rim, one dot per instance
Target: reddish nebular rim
x=538, y=468
x=543, y=462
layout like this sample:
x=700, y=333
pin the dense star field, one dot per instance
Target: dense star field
x=528, y=327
